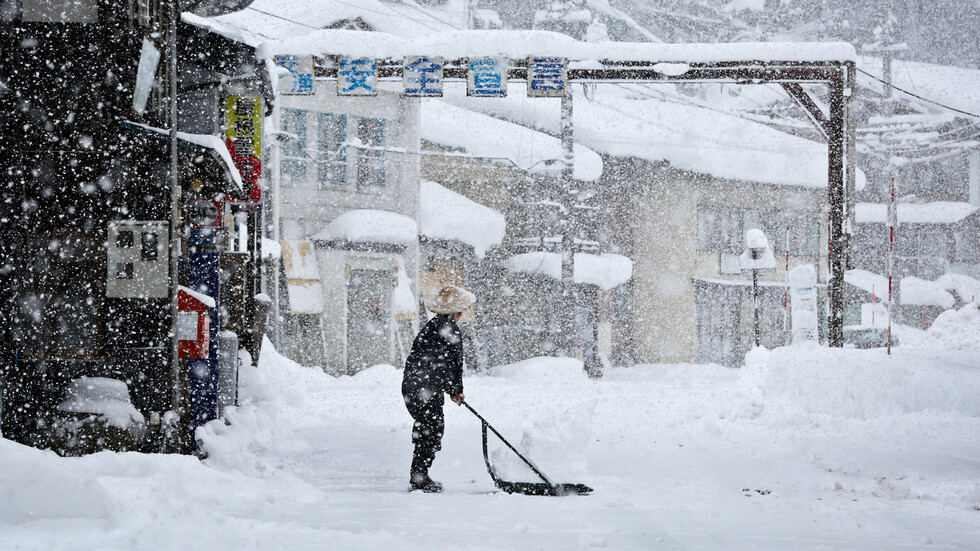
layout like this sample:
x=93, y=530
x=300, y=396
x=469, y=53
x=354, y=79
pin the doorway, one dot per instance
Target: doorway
x=368, y=315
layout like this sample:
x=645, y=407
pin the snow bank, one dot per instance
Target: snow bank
x=955, y=329
x=39, y=485
x=543, y=371
x=859, y=384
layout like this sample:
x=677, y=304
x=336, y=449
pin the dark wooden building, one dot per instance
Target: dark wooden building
x=87, y=287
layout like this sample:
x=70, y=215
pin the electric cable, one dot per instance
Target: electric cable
x=917, y=96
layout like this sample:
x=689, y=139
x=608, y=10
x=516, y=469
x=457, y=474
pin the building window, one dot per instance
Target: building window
x=966, y=246
x=331, y=160
x=294, y=156
x=50, y=11
x=804, y=233
x=722, y=229
x=371, y=155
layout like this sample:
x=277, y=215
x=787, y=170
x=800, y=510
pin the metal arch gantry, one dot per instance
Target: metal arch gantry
x=836, y=126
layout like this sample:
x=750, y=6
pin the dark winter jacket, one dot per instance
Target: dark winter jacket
x=436, y=360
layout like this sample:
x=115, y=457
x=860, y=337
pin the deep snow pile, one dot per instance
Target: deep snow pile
x=803, y=448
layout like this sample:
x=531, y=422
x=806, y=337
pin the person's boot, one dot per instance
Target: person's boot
x=420, y=480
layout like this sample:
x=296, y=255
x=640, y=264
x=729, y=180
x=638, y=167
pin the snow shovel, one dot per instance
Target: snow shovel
x=545, y=488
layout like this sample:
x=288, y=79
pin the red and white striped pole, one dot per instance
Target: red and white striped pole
x=892, y=220
x=786, y=291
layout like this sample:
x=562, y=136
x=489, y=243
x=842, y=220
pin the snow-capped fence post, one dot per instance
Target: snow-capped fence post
x=757, y=256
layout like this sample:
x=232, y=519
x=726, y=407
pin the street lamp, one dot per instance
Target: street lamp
x=757, y=256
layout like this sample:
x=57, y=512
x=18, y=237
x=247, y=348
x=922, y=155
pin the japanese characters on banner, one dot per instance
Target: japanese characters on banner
x=486, y=77
x=546, y=77
x=422, y=76
x=300, y=81
x=357, y=77
x=243, y=138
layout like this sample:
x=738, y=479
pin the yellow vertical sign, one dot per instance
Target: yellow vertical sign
x=243, y=137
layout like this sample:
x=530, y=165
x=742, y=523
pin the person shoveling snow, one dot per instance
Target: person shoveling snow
x=434, y=367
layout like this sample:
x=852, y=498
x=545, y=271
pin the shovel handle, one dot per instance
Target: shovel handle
x=487, y=425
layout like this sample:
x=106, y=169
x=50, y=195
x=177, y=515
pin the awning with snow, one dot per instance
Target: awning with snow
x=194, y=149
x=445, y=214
x=371, y=229
x=606, y=270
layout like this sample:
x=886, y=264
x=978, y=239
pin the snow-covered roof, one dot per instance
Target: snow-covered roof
x=526, y=148
x=519, y=44
x=937, y=212
x=917, y=291
x=408, y=29
x=605, y=270
x=922, y=292
x=206, y=300
x=445, y=214
x=370, y=226
x=687, y=136
x=205, y=141
x=266, y=20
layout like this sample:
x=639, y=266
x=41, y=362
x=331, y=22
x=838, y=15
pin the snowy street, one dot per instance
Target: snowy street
x=807, y=448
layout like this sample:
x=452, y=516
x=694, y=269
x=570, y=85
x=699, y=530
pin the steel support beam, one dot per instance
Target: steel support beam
x=836, y=196
x=810, y=107
x=837, y=127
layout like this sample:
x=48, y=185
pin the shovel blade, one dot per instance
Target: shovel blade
x=543, y=489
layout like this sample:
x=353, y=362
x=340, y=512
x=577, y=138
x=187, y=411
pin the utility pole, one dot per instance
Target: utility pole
x=568, y=336
x=179, y=378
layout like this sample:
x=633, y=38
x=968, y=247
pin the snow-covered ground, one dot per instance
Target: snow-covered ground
x=803, y=448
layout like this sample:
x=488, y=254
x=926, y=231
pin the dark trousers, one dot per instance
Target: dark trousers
x=425, y=407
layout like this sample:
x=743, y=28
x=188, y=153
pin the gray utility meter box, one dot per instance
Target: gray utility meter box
x=137, y=260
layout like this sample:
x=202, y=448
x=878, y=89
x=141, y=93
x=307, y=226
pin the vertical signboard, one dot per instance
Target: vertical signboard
x=487, y=77
x=547, y=77
x=357, y=77
x=146, y=73
x=423, y=76
x=243, y=137
x=300, y=81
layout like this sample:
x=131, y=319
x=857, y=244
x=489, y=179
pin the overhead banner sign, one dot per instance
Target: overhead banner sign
x=300, y=81
x=357, y=77
x=487, y=77
x=423, y=76
x=243, y=138
x=547, y=77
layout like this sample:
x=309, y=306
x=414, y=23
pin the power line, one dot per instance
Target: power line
x=389, y=14
x=263, y=12
x=917, y=96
